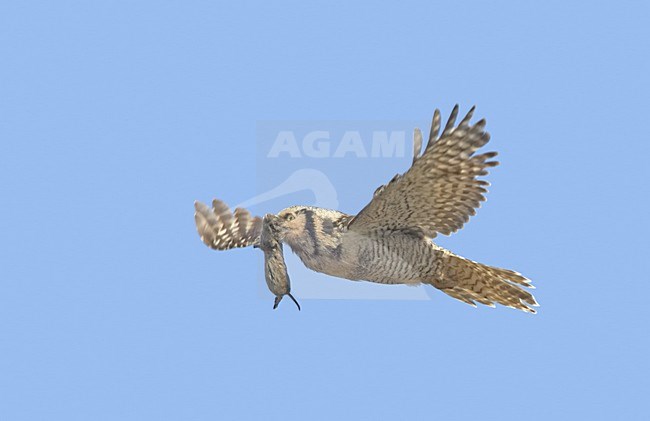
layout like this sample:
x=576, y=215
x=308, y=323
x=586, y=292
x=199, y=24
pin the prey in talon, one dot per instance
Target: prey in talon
x=275, y=269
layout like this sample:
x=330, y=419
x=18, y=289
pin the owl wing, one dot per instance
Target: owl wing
x=441, y=190
x=222, y=229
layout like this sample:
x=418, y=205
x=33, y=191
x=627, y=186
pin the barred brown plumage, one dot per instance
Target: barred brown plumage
x=222, y=230
x=440, y=191
x=389, y=240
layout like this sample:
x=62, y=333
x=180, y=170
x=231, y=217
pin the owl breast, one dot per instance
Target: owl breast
x=395, y=258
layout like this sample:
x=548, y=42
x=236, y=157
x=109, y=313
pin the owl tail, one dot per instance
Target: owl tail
x=472, y=282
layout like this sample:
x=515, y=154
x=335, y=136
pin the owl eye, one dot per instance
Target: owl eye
x=289, y=217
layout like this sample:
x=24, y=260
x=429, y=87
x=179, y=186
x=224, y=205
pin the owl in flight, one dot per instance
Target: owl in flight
x=389, y=240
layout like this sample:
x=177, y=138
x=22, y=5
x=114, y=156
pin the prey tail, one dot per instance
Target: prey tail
x=471, y=282
x=294, y=300
x=278, y=298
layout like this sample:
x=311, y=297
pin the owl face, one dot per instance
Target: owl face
x=290, y=223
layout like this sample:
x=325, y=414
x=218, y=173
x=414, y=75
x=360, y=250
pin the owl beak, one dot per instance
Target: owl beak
x=271, y=219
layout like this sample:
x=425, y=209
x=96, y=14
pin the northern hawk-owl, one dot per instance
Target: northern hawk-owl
x=388, y=241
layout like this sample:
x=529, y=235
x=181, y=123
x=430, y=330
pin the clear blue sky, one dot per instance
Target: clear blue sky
x=115, y=116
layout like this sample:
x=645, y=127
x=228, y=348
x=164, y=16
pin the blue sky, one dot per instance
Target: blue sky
x=115, y=116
